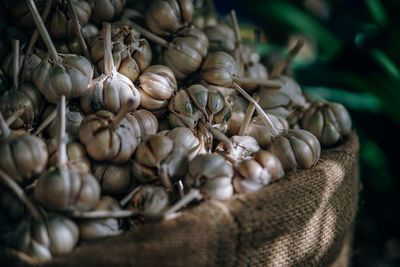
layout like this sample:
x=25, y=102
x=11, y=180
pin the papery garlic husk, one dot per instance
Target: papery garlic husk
x=27, y=97
x=70, y=76
x=73, y=119
x=11, y=206
x=23, y=157
x=287, y=102
x=257, y=172
x=64, y=189
x=107, y=10
x=244, y=147
x=186, y=53
x=182, y=112
x=262, y=133
x=150, y=200
x=167, y=17
x=144, y=124
x=93, y=229
x=160, y=158
x=109, y=93
x=296, y=149
x=76, y=154
x=186, y=137
x=114, y=180
x=212, y=174
x=329, y=122
x=60, y=23
x=219, y=68
x=221, y=38
x=131, y=54
x=103, y=142
x=157, y=85
x=58, y=235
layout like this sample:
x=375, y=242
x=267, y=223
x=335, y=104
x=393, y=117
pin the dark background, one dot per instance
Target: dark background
x=356, y=62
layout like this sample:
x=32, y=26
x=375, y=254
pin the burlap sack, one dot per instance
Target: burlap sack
x=304, y=219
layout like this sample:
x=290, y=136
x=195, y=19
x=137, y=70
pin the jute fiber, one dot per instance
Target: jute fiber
x=304, y=219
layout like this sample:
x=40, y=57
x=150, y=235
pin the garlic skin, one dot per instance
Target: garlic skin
x=64, y=189
x=23, y=157
x=257, y=172
x=107, y=10
x=114, y=179
x=144, y=124
x=212, y=174
x=58, y=235
x=109, y=93
x=262, y=133
x=244, y=148
x=94, y=229
x=70, y=76
x=73, y=121
x=31, y=62
x=221, y=37
x=157, y=85
x=287, y=102
x=150, y=201
x=255, y=71
x=296, y=149
x=219, y=68
x=165, y=17
x=185, y=55
x=329, y=122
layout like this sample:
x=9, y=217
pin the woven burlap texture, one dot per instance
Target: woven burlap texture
x=302, y=220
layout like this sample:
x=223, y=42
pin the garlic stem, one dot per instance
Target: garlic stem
x=122, y=113
x=15, y=62
x=165, y=180
x=151, y=36
x=108, y=57
x=259, y=82
x=186, y=199
x=103, y=214
x=18, y=113
x=221, y=137
x=35, y=34
x=78, y=30
x=42, y=29
x=281, y=64
x=46, y=122
x=248, y=116
x=238, y=41
x=5, y=130
x=129, y=196
x=264, y=117
x=19, y=192
x=62, y=142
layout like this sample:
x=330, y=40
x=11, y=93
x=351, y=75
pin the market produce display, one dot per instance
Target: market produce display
x=108, y=166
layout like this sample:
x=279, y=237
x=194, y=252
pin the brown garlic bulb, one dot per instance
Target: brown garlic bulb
x=296, y=149
x=254, y=71
x=160, y=158
x=257, y=172
x=107, y=10
x=10, y=205
x=22, y=157
x=157, y=86
x=58, y=235
x=60, y=22
x=111, y=90
x=329, y=122
x=76, y=154
x=20, y=13
x=93, y=229
x=150, y=201
x=186, y=53
x=165, y=17
x=186, y=137
x=263, y=134
x=73, y=118
x=114, y=180
x=72, y=46
x=131, y=53
x=31, y=62
x=221, y=37
x=212, y=174
x=144, y=124
x=220, y=69
x=244, y=148
x=287, y=102
x=90, y=32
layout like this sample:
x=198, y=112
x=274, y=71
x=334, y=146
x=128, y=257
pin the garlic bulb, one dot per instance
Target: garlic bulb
x=221, y=37
x=73, y=117
x=10, y=205
x=114, y=179
x=244, y=148
x=93, y=229
x=160, y=158
x=287, y=102
x=107, y=10
x=212, y=174
x=263, y=134
x=329, y=122
x=296, y=149
x=20, y=13
x=219, y=68
x=186, y=53
x=58, y=235
x=157, y=85
x=144, y=124
x=165, y=17
x=257, y=172
x=150, y=201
